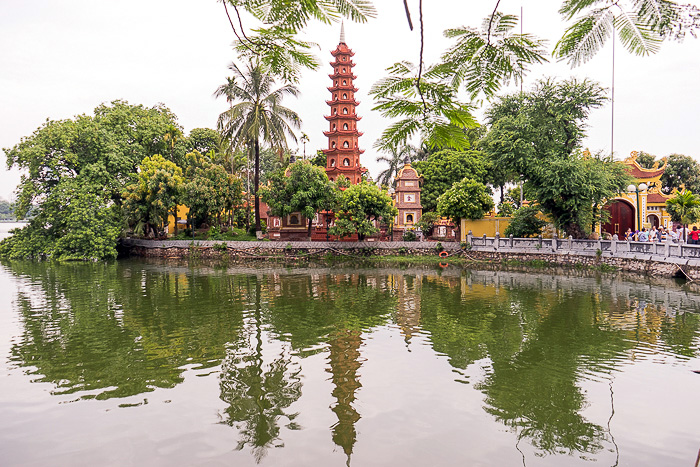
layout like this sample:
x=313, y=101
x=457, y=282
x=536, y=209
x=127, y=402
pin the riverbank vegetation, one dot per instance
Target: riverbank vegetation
x=124, y=169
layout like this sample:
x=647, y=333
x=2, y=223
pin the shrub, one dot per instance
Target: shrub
x=409, y=236
x=525, y=223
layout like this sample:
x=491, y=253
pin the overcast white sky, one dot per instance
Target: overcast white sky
x=63, y=58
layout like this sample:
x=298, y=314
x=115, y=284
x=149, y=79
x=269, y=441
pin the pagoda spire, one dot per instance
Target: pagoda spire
x=342, y=32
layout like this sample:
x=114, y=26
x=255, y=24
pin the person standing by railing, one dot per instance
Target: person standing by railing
x=643, y=236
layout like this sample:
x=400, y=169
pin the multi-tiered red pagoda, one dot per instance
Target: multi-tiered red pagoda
x=343, y=153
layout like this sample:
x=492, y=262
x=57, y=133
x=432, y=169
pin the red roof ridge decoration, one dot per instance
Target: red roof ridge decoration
x=639, y=172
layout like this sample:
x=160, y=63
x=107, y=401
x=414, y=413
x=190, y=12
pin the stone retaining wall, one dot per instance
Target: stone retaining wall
x=650, y=259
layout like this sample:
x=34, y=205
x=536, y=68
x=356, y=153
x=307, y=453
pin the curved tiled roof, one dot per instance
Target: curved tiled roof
x=657, y=198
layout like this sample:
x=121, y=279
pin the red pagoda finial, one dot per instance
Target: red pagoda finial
x=343, y=153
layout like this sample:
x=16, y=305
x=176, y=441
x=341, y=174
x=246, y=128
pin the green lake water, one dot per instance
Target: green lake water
x=153, y=363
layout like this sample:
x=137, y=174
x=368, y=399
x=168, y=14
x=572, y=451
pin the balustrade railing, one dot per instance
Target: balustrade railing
x=614, y=247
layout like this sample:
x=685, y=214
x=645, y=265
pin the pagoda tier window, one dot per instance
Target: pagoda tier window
x=345, y=110
x=335, y=97
x=345, y=96
x=333, y=144
x=346, y=144
x=343, y=70
x=345, y=82
x=345, y=58
x=346, y=162
x=334, y=126
x=345, y=126
x=332, y=162
x=335, y=83
x=335, y=111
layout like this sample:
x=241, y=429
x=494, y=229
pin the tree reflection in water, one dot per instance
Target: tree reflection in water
x=258, y=392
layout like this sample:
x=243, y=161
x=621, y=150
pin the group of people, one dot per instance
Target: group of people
x=662, y=234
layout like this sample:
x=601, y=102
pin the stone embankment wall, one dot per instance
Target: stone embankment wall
x=652, y=259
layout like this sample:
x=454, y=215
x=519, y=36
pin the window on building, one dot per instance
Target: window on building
x=346, y=162
x=293, y=219
x=345, y=126
x=346, y=144
x=332, y=162
x=409, y=218
x=345, y=95
x=345, y=110
x=345, y=82
x=333, y=145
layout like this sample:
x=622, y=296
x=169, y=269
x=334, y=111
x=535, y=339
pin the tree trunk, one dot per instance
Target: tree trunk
x=175, y=223
x=256, y=182
x=310, y=220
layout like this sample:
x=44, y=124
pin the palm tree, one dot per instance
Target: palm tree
x=395, y=160
x=684, y=209
x=258, y=115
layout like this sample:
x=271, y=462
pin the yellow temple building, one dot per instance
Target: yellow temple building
x=643, y=205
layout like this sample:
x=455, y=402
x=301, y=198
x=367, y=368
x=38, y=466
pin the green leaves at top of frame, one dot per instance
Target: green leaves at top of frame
x=641, y=26
x=484, y=60
x=275, y=43
x=429, y=109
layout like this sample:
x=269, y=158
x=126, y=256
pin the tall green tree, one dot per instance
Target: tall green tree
x=257, y=116
x=681, y=172
x=302, y=188
x=538, y=134
x=442, y=169
x=86, y=158
x=358, y=207
x=156, y=192
x=210, y=190
x=466, y=199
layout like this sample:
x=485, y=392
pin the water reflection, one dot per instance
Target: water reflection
x=528, y=343
x=258, y=390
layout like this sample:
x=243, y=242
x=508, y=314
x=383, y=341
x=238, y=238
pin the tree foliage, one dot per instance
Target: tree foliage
x=444, y=168
x=466, y=199
x=358, y=207
x=430, y=110
x=484, y=60
x=276, y=43
x=302, y=188
x=256, y=115
x=641, y=26
x=209, y=190
x=538, y=134
x=525, y=222
x=75, y=173
x=684, y=208
x=681, y=172
x=157, y=190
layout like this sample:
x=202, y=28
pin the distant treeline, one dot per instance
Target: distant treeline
x=6, y=213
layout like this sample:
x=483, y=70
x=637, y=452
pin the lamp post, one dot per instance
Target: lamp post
x=638, y=189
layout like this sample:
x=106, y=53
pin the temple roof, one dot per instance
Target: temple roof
x=641, y=173
x=407, y=173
